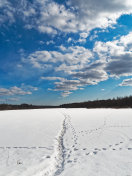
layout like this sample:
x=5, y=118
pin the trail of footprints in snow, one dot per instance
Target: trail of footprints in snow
x=95, y=151
x=74, y=150
x=28, y=148
x=115, y=147
x=74, y=138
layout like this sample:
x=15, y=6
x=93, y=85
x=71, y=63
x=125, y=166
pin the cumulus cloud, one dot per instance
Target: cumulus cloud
x=71, y=56
x=65, y=93
x=14, y=91
x=79, y=66
x=126, y=82
x=69, y=40
x=91, y=77
x=53, y=78
x=76, y=16
x=7, y=12
x=68, y=61
x=83, y=37
x=114, y=60
x=67, y=85
x=116, y=55
x=120, y=65
x=76, y=63
x=92, y=14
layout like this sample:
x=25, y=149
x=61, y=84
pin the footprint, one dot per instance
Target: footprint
x=129, y=148
x=95, y=153
x=75, y=149
x=84, y=148
x=48, y=156
x=1, y=147
x=116, y=144
x=8, y=147
x=75, y=160
x=104, y=149
x=96, y=149
x=69, y=161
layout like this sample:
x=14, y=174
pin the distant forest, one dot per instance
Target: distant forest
x=125, y=102
x=119, y=102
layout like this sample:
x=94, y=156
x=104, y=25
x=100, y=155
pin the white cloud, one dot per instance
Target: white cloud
x=91, y=76
x=53, y=78
x=120, y=65
x=81, y=40
x=126, y=82
x=94, y=36
x=50, y=42
x=76, y=65
x=80, y=67
x=13, y=91
x=69, y=40
x=92, y=14
x=67, y=85
x=81, y=16
x=78, y=16
x=71, y=56
x=46, y=29
x=65, y=93
x=7, y=12
x=30, y=12
x=62, y=48
x=84, y=35
x=51, y=17
x=116, y=55
x=23, y=90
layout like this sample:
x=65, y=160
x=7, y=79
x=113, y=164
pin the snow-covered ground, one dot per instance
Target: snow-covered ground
x=66, y=142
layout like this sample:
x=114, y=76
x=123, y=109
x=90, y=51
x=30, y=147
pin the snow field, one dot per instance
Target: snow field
x=98, y=142
x=66, y=142
x=27, y=141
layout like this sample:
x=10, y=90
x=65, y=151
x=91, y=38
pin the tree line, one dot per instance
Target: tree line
x=23, y=106
x=119, y=102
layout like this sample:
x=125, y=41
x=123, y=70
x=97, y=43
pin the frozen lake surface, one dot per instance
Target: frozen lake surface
x=66, y=142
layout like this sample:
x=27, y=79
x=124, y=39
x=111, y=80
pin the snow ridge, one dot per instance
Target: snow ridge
x=58, y=158
x=61, y=149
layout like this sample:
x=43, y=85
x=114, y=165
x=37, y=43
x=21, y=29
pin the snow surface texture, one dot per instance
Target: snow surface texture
x=66, y=142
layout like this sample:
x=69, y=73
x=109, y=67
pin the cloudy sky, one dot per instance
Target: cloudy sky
x=60, y=51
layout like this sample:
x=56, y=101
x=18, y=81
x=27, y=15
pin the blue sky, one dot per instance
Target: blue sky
x=54, y=51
